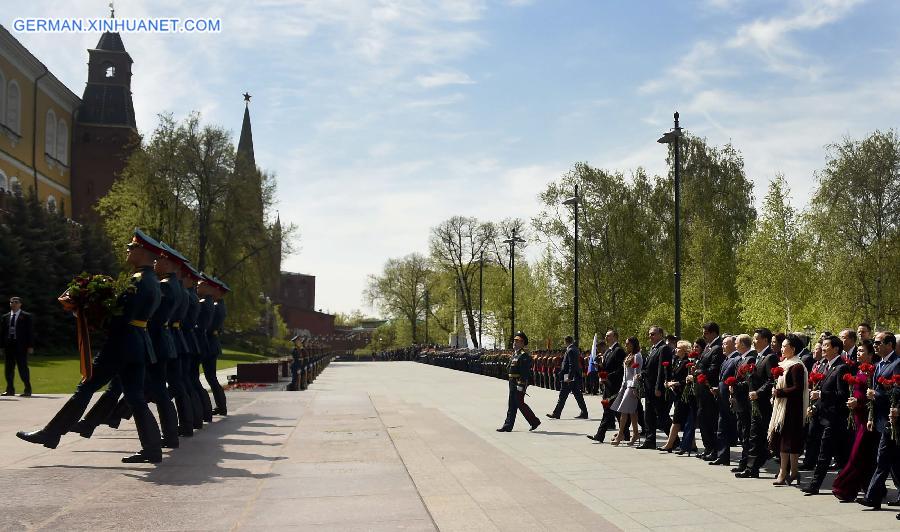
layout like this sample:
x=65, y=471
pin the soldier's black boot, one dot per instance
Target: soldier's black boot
x=98, y=413
x=185, y=415
x=168, y=420
x=49, y=436
x=120, y=412
x=196, y=409
x=148, y=433
x=206, y=404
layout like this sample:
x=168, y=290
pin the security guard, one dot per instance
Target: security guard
x=124, y=353
x=520, y=376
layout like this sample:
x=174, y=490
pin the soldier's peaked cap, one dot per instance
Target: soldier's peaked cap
x=171, y=252
x=223, y=285
x=142, y=239
x=521, y=335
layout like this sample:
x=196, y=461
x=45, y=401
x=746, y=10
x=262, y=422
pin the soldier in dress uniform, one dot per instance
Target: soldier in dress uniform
x=197, y=342
x=519, y=377
x=188, y=346
x=177, y=388
x=124, y=354
x=215, y=290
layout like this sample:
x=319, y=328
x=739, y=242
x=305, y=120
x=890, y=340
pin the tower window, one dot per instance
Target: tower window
x=110, y=71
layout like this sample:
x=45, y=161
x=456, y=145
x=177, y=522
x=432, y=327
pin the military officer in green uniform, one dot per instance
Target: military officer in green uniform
x=124, y=354
x=519, y=376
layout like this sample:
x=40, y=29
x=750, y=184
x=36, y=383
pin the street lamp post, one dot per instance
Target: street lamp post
x=512, y=266
x=480, y=296
x=573, y=201
x=672, y=137
x=427, y=308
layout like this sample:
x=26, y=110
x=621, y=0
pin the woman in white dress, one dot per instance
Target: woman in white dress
x=627, y=400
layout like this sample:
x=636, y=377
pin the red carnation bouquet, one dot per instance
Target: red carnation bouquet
x=694, y=354
x=815, y=378
x=777, y=371
x=665, y=363
x=701, y=379
x=94, y=299
x=603, y=375
x=730, y=381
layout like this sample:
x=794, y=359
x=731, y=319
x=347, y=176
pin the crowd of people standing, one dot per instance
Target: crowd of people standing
x=769, y=396
x=806, y=406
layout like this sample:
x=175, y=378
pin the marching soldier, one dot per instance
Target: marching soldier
x=215, y=291
x=124, y=354
x=173, y=367
x=183, y=328
x=520, y=376
x=197, y=342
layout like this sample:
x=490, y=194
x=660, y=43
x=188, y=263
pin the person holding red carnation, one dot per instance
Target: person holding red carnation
x=677, y=378
x=831, y=408
x=626, y=403
x=888, y=460
x=860, y=465
x=791, y=399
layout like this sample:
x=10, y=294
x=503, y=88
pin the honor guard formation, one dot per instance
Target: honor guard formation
x=168, y=329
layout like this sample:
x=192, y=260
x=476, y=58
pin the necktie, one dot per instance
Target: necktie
x=12, y=326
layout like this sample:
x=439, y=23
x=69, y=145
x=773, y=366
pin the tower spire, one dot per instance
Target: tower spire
x=245, y=143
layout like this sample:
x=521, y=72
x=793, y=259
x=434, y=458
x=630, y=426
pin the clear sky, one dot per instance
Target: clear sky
x=382, y=118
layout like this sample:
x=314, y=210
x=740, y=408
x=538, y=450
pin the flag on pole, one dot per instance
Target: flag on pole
x=592, y=363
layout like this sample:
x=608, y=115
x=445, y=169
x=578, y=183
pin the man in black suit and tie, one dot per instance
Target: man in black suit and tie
x=710, y=364
x=612, y=365
x=17, y=339
x=848, y=344
x=571, y=379
x=760, y=385
x=726, y=432
x=830, y=409
x=888, y=457
x=653, y=379
x=741, y=399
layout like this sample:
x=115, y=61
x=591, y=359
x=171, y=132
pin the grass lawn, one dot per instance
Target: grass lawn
x=60, y=373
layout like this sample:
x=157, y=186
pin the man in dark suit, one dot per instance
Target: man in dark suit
x=571, y=379
x=760, y=391
x=888, y=460
x=848, y=344
x=123, y=354
x=830, y=409
x=741, y=399
x=612, y=365
x=813, y=427
x=726, y=432
x=17, y=339
x=653, y=380
x=710, y=364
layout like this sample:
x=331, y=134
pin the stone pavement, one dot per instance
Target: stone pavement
x=386, y=446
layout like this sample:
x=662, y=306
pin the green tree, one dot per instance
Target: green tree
x=399, y=291
x=774, y=266
x=855, y=218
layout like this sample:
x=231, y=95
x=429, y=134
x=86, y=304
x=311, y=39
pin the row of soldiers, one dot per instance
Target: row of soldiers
x=168, y=329
x=545, y=368
x=306, y=364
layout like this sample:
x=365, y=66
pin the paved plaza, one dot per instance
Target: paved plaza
x=387, y=446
